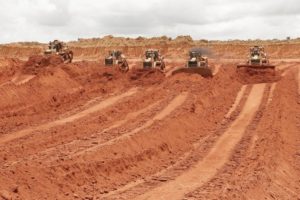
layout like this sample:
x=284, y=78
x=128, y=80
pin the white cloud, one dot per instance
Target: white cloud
x=43, y=20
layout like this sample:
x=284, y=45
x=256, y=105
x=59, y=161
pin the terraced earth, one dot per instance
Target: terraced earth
x=86, y=131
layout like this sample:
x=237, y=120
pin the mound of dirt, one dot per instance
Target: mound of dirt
x=104, y=134
x=146, y=77
x=37, y=62
x=8, y=68
x=253, y=76
x=93, y=75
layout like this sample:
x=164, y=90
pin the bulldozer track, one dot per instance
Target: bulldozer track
x=209, y=166
x=175, y=103
x=75, y=146
x=81, y=114
x=181, y=137
x=200, y=149
x=237, y=101
x=216, y=69
x=79, y=146
x=271, y=95
x=19, y=80
x=247, y=158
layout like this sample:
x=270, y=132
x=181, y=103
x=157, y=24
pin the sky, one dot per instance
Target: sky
x=45, y=20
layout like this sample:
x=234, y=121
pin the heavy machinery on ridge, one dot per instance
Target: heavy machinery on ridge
x=257, y=59
x=153, y=60
x=197, y=63
x=117, y=58
x=59, y=48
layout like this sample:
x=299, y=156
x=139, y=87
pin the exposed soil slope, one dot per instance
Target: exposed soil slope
x=86, y=131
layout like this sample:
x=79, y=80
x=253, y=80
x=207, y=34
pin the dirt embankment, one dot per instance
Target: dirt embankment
x=265, y=165
x=8, y=68
x=98, y=48
x=86, y=131
x=188, y=103
x=254, y=76
x=20, y=52
x=178, y=50
x=43, y=86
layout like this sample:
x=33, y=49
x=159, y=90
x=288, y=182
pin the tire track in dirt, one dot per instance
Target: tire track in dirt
x=221, y=183
x=175, y=103
x=272, y=89
x=103, y=104
x=105, y=132
x=208, y=167
x=216, y=69
x=258, y=169
x=22, y=79
x=4, y=84
x=77, y=145
x=237, y=101
x=268, y=98
x=158, y=174
x=285, y=68
x=162, y=175
x=169, y=71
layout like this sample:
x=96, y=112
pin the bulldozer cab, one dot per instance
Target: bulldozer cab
x=197, y=59
x=196, y=64
x=153, y=59
x=194, y=54
x=256, y=51
x=152, y=54
x=116, y=57
x=115, y=54
x=55, y=46
x=257, y=59
x=59, y=48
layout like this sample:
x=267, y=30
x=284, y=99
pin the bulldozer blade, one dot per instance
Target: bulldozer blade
x=205, y=72
x=264, y=66
x=108, y=62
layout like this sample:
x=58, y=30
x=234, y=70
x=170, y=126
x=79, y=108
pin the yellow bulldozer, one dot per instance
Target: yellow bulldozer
x=59, y=48
x=197, y=63
x=257, y=59
x=153, y=60
x=117, y=58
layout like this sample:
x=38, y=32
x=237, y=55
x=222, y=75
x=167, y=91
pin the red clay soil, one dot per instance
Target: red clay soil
x=38, y=62
x=265, y=165
x=8, y=68
x=172, y=48
x=86, y=131
x=143, y=77
x=252, y=76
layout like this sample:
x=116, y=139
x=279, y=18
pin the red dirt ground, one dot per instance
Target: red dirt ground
x=86, y=131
